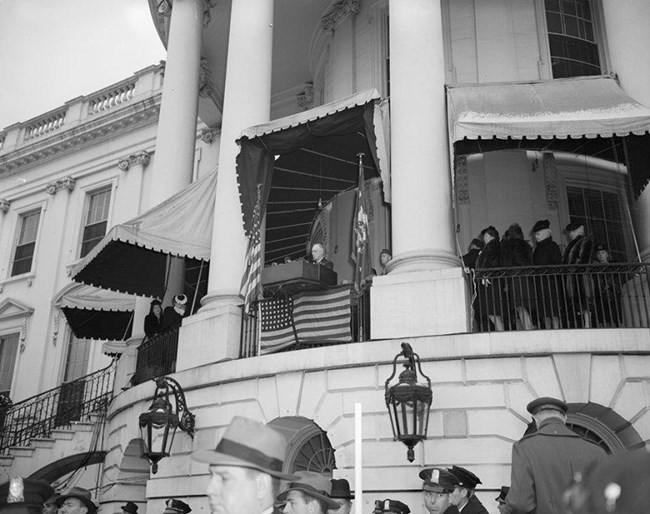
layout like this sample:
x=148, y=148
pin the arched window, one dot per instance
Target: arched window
x=308, y=449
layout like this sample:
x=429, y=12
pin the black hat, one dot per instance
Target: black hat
x=155, y=302
x=601, y=248
x=502, y=494
x=130, y=507
x=83, y=495
x=180, y=299
x=547, y=403
x=573, y=226
x=174, y=506
x=465, y=477
x=312, y=484
x=341, y=489
x=385, y=250
x=391, y=506
x=24, y=495
x=438, y=480
x=541, y=225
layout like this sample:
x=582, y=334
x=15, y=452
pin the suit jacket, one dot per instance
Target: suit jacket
x=547, y=252
x=543, y=466
x=323, y=262
x=474, y=506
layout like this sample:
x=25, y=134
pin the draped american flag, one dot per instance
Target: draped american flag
x=360, y=233
x=311, y=317
x=253, y=275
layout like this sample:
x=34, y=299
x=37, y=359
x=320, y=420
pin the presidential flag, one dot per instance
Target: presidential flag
x=253, y=275
x=360, y=233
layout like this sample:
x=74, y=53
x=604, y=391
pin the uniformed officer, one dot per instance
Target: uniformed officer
x=437, y=486
x=393, y=506
x=463, y=496
x=544, y=462
x=174, y=506
x=24, y=496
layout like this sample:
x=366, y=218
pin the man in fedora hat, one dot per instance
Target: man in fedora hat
x=310, y=493
x=24, y=496
x=341, y=494
x=174, y=506
x=245, y=468
x=50, y=506
x=76, y=501
x=129, y=508
x=544, y=462
x=437, y=486
x=463, y=496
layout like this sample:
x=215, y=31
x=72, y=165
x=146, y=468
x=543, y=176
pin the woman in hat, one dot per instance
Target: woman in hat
x=549, y=288
x=606, y=290
x=489, y=293
x=579, y=289
x=173, y=315
x=153, y=320
x=515, y=253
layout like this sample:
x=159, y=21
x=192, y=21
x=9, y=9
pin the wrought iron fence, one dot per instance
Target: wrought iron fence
x=554, y=297
x=57, y=408
x=156, y=356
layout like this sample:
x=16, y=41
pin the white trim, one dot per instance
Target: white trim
x=379, y=30
x=87, y=190
x=18, y=217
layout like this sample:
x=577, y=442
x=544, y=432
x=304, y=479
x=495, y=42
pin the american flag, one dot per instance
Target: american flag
x=360, y=244
x=318, y=316
x=253, y=275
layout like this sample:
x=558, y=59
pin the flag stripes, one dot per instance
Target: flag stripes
x=277, y=330
x=252, y=278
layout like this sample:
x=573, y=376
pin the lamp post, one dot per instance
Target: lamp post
x=158, y=425
x=408, y=402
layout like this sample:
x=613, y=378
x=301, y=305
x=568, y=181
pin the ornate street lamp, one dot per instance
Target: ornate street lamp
x=408, y=402
x=158, y=425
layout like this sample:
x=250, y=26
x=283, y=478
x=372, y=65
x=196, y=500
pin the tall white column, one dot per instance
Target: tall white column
x=424, y=292
x=247, y=101
x=176, y=138
x=628, y=39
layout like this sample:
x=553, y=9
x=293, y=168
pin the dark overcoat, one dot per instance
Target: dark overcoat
x=474, y=506
x=543, y=467
x=549, y=287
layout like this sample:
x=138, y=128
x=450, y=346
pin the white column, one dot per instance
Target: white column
x=247, y=101
x=422, y=216
x=628, y=39
x=424, y=292
x=176, y=138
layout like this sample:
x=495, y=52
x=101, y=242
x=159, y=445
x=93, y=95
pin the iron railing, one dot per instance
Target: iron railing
x=554, y=297
x=156, y=356
x=37, y=416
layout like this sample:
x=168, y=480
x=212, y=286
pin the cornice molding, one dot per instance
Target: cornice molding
x=338, y=12
x=141, y=158
x=95, y=129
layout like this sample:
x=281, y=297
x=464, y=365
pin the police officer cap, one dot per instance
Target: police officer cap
x=174, y=506
x=601, y=248
x=541, y=225
x=23, y=495
x=465, y=477
x=391, y=506
x=547, y=403
x=438, y=480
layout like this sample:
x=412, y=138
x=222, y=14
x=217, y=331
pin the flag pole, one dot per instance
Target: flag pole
x=358, y=468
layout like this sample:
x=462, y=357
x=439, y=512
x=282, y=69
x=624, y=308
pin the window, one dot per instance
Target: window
x=572, y=38
x=600, y=212
x=8, y=352
x=26, y=243
x=96, y=219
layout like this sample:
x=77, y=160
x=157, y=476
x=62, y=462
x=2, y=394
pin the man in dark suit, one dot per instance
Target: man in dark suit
x=544, y=463
x=437, y=486
x=463, y=496
x=318, y=256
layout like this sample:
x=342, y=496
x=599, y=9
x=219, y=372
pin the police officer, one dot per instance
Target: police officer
x=392, y=506
x=437, y=486
x=544, y=462
x=463, y=496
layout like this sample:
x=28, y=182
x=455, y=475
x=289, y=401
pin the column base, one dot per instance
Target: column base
x=428, y=259
x=420, y=303
x=209, y=336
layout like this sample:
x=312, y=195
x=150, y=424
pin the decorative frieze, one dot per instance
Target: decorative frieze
x=65, y=183
x=141, y=158
x=551, y=180
x=339, y=11
x=210, y=134
x=306, y=97
x=206, y=86
x=462, y=180
x=4, y=205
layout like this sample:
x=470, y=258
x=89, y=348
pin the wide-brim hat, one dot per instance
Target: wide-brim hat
x=341, y=489
x=130, y=507
x=312, y=484
x=574, y=225
x=249, y=444
x=546, y=402
x=541, y=225
x=83, y=495
x=465, y=477
x=438, y=480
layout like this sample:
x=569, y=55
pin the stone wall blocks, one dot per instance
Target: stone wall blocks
x=636, y=366
x=315, y=389
x=221, y=415
x=518, y=395
x=606, y=378
x=372, y=401
x=497, y=423
x=642, y=426
x=542, y=377
x=329, y=411
x=482, y=450
x=169, y=487
x=492, y=370
x=352, y=378
x=240, y=390
x=290, y=390
x=573, y=371
x=455, y=423
x=204, y=397
x=631, y=400
x=267, y=396
x=443, y=371
x=468, y=396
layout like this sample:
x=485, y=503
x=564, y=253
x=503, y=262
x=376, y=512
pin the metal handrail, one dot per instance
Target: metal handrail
x=156, y=356
x=73, y=401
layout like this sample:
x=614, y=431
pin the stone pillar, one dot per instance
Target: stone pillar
x=628, y=39
x=247, y=101
x=176, y=138
x=424, y=292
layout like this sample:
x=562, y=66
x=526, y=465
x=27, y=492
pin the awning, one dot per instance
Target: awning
x=133, y=256
x=565, y=108
x=94, y=313
x=302, y=161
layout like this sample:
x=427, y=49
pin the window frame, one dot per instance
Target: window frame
x=20, y=215
x=8, y=332
x=545, y=67
x=88, y=191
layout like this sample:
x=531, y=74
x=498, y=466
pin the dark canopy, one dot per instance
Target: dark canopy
x=303, y=161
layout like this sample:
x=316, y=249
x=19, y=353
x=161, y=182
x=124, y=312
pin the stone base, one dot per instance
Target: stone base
x=419, y=303
x=211, y=335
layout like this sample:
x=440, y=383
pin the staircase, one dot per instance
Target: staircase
x=56, y=424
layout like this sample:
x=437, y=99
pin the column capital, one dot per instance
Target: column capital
x=141, y=158
x=164, y=8
x=206, y=86
x=338, y=12
x=4, y=205
x=209, y=134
